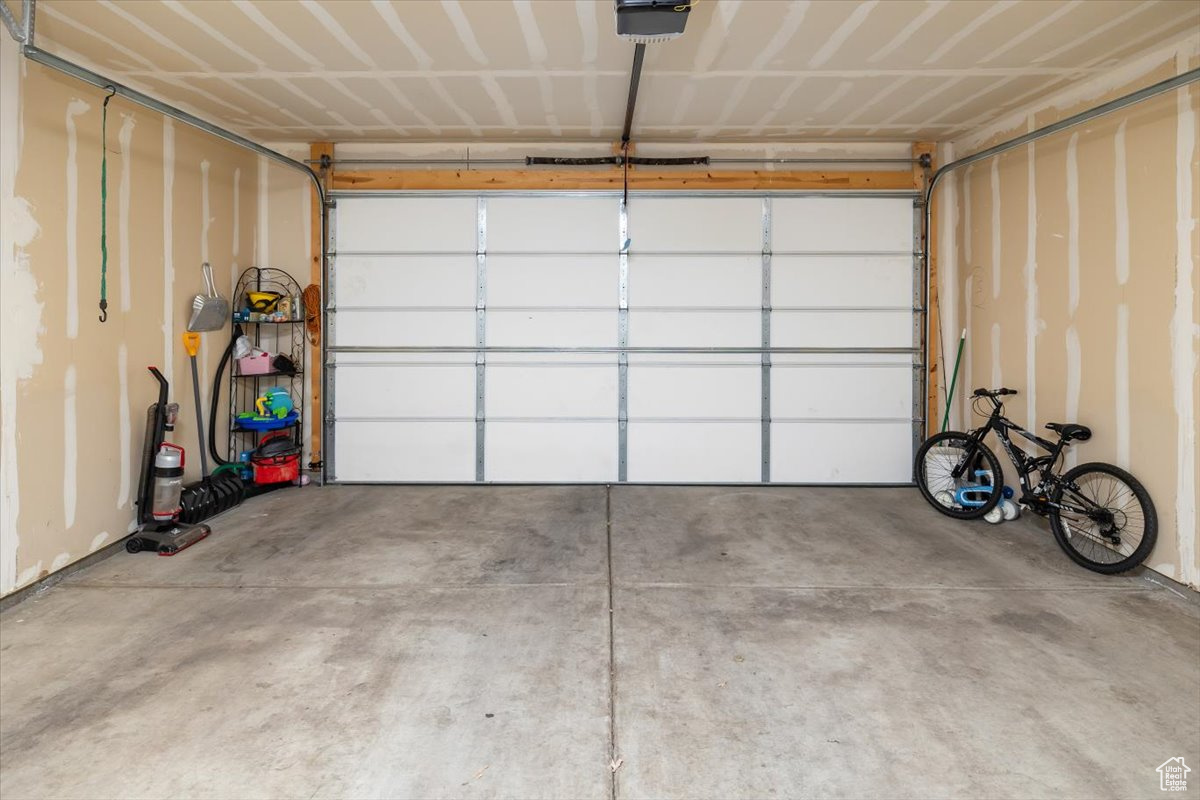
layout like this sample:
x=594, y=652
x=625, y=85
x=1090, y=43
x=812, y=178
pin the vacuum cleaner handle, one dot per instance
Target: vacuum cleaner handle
x=162, y=385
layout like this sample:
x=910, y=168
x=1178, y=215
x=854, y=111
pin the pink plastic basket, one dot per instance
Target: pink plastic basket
x=257, y=364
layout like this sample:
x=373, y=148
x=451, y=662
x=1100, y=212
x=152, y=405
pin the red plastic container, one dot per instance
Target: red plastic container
x=278, y=469
x=275, y=460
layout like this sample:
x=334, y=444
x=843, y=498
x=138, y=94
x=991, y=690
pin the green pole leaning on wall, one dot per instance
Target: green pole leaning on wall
x=962, y=340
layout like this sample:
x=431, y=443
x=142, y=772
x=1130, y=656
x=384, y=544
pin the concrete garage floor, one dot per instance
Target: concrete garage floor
x=456, y=642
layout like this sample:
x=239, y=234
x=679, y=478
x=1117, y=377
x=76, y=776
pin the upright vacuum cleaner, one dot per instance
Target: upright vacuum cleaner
x=160, y=485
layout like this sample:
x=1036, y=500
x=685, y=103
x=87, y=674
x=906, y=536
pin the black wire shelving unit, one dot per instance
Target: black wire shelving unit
x=277, y=337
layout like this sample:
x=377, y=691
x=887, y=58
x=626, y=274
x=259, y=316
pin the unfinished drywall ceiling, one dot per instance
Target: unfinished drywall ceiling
x=545, y=69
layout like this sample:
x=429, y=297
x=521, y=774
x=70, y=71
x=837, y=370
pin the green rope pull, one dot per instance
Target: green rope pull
x=104, y=205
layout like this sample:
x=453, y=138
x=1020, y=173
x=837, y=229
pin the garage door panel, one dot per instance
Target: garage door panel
x=406, y=328
x=405, y=451
x=842, y=224
x=553, y=224
x=425, y=280
x=695, y=224
x=405, y=391
x=406, y=274
x=551, y=390
x=714, y=281
x=695, y=328
x=841, y=281
x=536, y=328
x=695, y=391
x=551, y=452
x=695, y=452
x=406, y=225
x=827, y=392
x=841, y=328
x=552, y=281
x=841, y=452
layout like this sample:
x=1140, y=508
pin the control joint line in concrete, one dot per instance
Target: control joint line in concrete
x=612, y=650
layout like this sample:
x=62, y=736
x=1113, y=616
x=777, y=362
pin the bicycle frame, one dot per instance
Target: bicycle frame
x=1036, y=497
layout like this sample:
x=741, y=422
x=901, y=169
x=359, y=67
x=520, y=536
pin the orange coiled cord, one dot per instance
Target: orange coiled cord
x=312, y=313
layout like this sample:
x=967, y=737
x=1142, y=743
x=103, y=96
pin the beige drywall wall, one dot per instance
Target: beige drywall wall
x=1073, y=265
x=75, y=391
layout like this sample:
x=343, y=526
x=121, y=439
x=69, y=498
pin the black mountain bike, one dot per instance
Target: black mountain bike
x=1101, y=516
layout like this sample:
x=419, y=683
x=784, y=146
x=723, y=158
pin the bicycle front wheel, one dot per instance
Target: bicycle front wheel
x=1108, y=523
x=958, y=476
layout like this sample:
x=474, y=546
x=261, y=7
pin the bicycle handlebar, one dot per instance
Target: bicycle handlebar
x=994, y=392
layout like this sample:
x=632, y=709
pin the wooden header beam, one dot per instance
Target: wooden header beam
x=643, y=179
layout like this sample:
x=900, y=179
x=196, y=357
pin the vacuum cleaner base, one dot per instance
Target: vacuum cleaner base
x=166, y=539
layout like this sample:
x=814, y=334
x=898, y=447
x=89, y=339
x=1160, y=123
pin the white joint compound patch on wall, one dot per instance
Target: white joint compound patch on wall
x=205, y=214
x=1074, y=382
x=74, y=109
x=1031, y=298
x=996, y=251
x=168, y=326
x=1183, y=340
x=70, y=447
x=20, y=310
x=261, y=236
x=98, y=541
x=1121, y=382
x=125, y=140
x=237, y=214
x=1121, y=196
x=997, y=375
x=1072, y=224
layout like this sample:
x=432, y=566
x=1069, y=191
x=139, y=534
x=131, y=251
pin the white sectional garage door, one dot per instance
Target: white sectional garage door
x=559, y=338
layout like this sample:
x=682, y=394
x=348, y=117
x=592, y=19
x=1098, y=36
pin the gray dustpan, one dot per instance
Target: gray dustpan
x=210, y=312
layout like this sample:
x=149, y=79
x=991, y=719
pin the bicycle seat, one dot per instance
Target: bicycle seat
x=1069, y=430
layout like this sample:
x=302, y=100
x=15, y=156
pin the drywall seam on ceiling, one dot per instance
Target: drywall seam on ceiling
x=207, y=69
x=932, y=7
x=125, y=142
x=1094, y=32
x=70, y=481
x=782, y=37
x=20, y=309
x=1081, y=93
x=983, y=19
x=1183, y=342
x=74, y=109
x=585, y=13
x=1031, y=31
x=839, y=36
x=168, y=221
x=462, y=27
x=874, y=100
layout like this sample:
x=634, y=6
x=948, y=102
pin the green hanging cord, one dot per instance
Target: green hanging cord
x=112, y=90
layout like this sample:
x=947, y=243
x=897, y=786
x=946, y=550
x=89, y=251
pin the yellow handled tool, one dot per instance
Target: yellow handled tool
x=191, y=341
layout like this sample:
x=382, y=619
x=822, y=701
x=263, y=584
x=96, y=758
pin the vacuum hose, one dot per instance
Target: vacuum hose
x=216, y=396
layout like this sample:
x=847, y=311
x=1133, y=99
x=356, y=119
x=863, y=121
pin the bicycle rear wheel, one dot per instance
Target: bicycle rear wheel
x=1111, y=526
x=975, y=489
